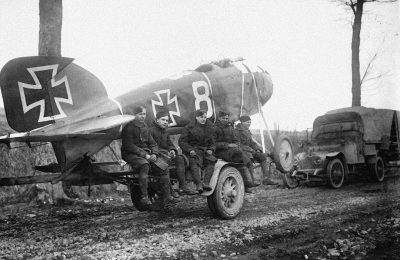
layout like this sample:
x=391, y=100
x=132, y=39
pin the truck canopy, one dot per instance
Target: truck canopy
x=377, y=125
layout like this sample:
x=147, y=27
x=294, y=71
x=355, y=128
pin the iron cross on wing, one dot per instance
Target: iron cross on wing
x=45, y=94
x=170, y=105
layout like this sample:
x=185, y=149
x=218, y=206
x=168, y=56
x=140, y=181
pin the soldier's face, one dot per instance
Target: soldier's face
x=201, y=119
x=141, y=116
x=163, y=122
x=224, y=119
x=246, y=124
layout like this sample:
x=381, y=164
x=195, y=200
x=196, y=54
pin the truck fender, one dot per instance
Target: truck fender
x=214, y=178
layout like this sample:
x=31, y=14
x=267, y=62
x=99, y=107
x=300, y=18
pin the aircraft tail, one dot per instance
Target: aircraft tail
x=41, y=90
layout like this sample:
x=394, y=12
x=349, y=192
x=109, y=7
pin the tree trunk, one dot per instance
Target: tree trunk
x=355, y=55
x=50, y=13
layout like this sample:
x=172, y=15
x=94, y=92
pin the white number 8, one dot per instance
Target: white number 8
x=205, y=97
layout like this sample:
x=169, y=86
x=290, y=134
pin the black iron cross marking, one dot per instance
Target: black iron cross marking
x=168, y=103
x=46, y=93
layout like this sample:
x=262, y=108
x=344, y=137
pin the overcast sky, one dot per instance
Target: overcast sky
x=303, y=44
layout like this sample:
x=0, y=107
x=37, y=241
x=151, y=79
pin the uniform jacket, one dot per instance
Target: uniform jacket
x=196, y=135
x=224, y=135
x=161, y=136
x=136, y=138
x=246, y=140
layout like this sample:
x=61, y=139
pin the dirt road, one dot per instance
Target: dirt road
x=359, y=221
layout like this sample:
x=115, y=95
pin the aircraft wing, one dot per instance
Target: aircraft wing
x=86, y=129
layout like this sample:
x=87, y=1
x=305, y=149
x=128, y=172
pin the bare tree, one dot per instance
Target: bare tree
x=357, y=6
x=50, y=13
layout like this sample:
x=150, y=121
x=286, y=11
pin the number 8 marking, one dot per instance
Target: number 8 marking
x=205, y=97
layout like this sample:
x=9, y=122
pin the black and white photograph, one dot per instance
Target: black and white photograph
x=200, y=129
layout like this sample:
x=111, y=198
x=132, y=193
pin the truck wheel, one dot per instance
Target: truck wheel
x=289, y=181
x=228, y=196
x=136, y=194
x=377, y=170
x=335, y=173
x=283, y=154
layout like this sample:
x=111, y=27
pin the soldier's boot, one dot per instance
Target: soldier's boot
x=181, y=173
x=251, y=172
x=167, y=198
x=267, y=174
x=248, y=181
x=143, y=183
x=194, y=168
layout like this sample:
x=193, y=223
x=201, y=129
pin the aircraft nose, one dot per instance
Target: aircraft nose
x=265, y=87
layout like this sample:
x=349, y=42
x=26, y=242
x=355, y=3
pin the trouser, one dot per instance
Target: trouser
x=195, y=170
x=180, y=170
x=263, y=159
x=143, y=179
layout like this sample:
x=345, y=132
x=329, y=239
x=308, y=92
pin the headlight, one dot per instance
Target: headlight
x=317, y=161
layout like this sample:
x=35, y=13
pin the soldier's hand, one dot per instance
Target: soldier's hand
x=192, y=153
x=147, y=156
x=172, y=153
x=209, y=152
x=232, y=145
x=153, y=158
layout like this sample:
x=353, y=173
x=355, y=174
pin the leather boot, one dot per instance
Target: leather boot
x=143, y=183
x=251, y=172
x=248, y=181
x=180, y=172
x=166, y=190
x=266, y=174
x=194, y=168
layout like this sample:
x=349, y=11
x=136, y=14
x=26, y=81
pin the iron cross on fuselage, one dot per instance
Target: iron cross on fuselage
x=46, y=93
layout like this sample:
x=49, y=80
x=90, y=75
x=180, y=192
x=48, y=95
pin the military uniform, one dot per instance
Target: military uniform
x=162, y=138
x=137, y=142
x=254, y=151
x=199, y=138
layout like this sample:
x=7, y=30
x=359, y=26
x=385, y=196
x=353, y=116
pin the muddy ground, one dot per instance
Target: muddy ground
x=359, y=221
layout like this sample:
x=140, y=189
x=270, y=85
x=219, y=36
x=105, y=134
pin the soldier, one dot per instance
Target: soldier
x=141, y=151
x=252, y=149
x=197, y=142
x=228, y=149
x=167, y=149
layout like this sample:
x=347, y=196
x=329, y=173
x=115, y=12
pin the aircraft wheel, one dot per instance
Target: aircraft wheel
x=228, y=197
x=283, y=154
x=335, y=173
x=289, y=181
x=377, y=170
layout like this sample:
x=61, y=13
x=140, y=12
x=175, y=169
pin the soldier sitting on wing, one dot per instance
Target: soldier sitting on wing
x=252, y=149
x=197, y=142
x=167, y=149
x=228, y=148
x=141, y=151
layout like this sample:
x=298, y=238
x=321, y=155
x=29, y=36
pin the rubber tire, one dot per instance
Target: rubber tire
x=284, y=159
x=289, y=181
x=136, y=194
x=377, y=170
x=221, y=210
x=336, y=162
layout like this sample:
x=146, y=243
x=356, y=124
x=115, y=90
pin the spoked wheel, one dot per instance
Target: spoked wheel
x=227, y=199
x=289, y=181
x=377, y=170
x=335, y=173
x=283, y=154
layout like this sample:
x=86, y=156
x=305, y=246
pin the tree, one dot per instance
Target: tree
x=357, y=6
x=50, y=14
